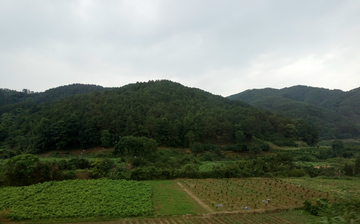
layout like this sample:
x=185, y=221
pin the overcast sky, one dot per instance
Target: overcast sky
x=223, y=47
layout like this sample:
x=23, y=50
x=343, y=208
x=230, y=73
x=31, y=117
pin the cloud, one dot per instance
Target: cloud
x=221, y=46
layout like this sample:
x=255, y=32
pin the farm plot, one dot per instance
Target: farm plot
x=284, y=217
x=251, y=193
x=77, y=199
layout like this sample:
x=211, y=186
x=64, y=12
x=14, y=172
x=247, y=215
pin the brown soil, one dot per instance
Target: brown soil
x=2, y=217
x=82, y=174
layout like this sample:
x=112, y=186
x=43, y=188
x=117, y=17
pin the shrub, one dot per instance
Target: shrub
x=21, y=170
x=101, y=167
x=265, y=147
x=297, y=172
x=6, y=154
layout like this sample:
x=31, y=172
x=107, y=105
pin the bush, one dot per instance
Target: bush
x=25, y=170
x=297, y=172
x=255, y=149
x=6, y=154
x=320, y=207
x=348, y=169
x=308, y=158
x=101, y=167
x=265, y=147
x=78, y=163
x=197, y=148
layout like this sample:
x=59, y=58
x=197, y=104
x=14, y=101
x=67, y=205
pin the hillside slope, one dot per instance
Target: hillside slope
x=335, y=113
x=172, y=114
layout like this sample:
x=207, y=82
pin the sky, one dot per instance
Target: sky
x=223, y=47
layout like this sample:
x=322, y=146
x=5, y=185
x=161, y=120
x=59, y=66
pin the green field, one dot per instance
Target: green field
x=77, y=199
x=170, y=199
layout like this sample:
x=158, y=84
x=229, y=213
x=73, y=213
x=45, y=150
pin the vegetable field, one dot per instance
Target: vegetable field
x=251, y=193
x=284, y=217
x=77, y=199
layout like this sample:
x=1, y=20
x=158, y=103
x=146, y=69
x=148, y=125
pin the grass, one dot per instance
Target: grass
x=170, y=199
x=299, y=216
x=336, y=187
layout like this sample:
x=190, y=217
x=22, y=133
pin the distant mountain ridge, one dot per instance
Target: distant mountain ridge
x=334, y=112
x=170, y=113
x=8, y=96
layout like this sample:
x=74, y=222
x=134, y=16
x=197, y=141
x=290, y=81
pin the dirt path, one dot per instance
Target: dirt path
x=202, y=204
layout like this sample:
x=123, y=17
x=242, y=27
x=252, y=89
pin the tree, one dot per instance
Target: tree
x=255, y=149
x=190, y=137
x=338, y=147
x=197, y=148
x=106, y=138
x=357, y=165
x=135, y=147
x=290, y=131
x=25, y=169
x=240, y=137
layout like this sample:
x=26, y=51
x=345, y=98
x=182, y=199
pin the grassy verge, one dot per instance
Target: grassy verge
x=170, y=199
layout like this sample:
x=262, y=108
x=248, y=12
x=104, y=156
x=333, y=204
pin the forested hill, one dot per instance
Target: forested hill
x=172, y=114
x=8, y=97
x=335, y=113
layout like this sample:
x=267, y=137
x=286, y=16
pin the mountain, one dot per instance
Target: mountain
x=8, y=97
x=172, y=114
x=335, y=113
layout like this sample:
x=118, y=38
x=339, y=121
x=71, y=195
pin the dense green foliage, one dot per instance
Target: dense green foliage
x=23, y=169
x=8, y=97
x=344, y=210
x=77, y=199
x=335, y=113
x=130, y=146
x=204, y=161
x=168, y=112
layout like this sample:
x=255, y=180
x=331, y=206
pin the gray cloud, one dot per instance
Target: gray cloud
x=223, y=47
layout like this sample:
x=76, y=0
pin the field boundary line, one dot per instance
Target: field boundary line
x=201, y=203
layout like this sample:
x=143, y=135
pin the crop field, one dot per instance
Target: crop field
x=77, y=199
x=284, y=217
x=251, y=194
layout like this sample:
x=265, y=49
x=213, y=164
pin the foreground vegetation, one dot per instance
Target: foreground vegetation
x=68, y=201
x=77, y=199
x=166, y=201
